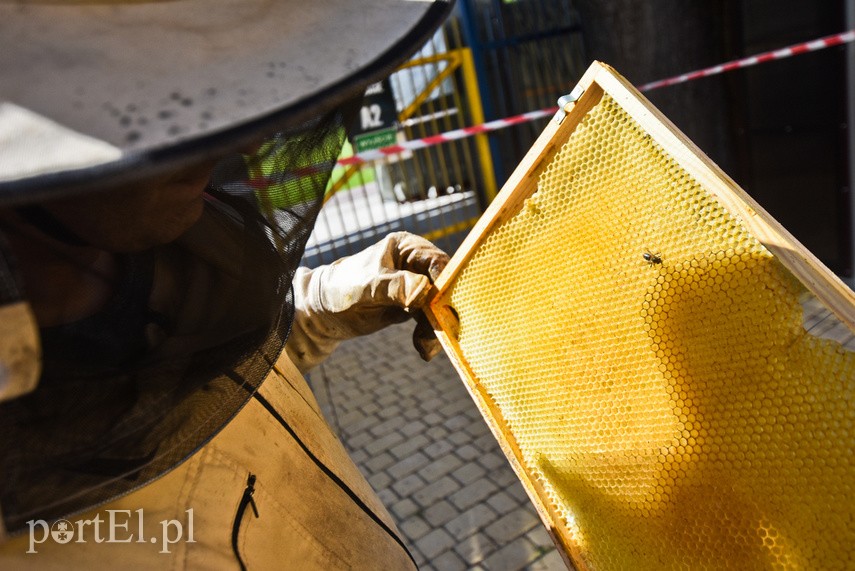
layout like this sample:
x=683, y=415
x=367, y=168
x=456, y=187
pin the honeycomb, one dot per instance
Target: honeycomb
x=649, y=359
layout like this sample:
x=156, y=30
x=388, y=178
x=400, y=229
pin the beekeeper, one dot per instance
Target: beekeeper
x=161, y=168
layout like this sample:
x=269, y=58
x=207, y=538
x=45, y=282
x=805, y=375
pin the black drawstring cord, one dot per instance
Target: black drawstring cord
x=323, y=467
x=247, y=499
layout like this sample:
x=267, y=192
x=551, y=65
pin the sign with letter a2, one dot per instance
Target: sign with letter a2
x=375, y=126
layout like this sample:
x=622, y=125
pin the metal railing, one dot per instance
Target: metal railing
x=517, y=57
x=437, y=192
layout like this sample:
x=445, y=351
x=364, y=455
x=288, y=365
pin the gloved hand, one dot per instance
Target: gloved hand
x=384, y=284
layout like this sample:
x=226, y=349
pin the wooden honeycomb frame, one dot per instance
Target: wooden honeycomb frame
x=597, y=81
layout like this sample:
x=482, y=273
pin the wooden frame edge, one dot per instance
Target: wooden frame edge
x=519, y=184
x=568, y=551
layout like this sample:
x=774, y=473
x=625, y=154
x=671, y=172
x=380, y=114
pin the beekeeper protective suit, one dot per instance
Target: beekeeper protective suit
x=161, y=167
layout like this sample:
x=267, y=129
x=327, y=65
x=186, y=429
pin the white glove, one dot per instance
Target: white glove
x=384, y=284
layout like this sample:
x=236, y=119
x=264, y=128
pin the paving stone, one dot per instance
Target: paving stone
x=503, y=478
x=379, y=462
x=383, y=443
x=436, y=433
x=408, y=389
x=457, y=422
x=386, y=385
x=412, y=414
x=390, y=412
x=448, y=561
x=358, y=456
x=351, y=393
x=473, y=493
x=406, y=403
x=440, y=513
x=475, y=414
x=359, y=401
x=387, y=496
x=539, y=537
x=405, y=487
x=420, y=559
x=414, y=528
x=437, y=449
x=380, y=480
x=404, y=509
x=408, y=465
x=469, y=452
x=468, y=473
x=463, y=405
x=359, y=440
x=518, y=492
x=434, y=543
x=344, y=360
x=552, y=561
x=409, y=446
x=512, y=557
x=475, y=548
x=349, y=418
x=486, y=443
x=476, y=429
x=511, y=526
x=386, y=374
x=432, y=405
x=440, y=467
x=490, y=460
x=387, y=426
x=385, y=401
x=370, y=408
x=413, y=427
x=367, y=422
x=502, y=503
x=436, y=491
x=470, y=521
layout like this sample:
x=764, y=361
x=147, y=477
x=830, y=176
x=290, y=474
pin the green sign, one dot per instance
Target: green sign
x=375, y=140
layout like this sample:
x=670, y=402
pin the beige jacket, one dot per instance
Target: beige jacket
x=315, y=510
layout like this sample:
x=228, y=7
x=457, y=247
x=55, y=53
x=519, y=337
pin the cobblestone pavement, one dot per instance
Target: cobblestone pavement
x=417, y=436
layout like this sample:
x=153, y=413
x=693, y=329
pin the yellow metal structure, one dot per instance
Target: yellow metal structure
x=436, y=235
x=450, y=62
x=629, y=323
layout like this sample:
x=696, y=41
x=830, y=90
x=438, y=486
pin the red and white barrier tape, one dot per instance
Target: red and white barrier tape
x=447, y=136
x=796, y=49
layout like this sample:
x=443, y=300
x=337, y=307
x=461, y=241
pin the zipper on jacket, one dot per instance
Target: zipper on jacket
x=246, y=500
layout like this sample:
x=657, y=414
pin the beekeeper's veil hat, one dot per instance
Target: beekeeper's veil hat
x=102, y=95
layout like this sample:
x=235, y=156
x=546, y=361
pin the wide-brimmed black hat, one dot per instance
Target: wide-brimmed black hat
x=94, y=93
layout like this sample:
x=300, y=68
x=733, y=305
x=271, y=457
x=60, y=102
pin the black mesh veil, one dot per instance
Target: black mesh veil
x=130, y=391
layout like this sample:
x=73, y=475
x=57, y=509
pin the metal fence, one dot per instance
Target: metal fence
x=464, y=75
x=527, y=54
